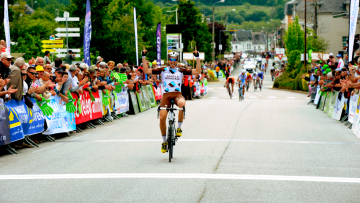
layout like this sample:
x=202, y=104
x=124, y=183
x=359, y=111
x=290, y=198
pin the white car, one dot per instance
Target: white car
x=249, y=66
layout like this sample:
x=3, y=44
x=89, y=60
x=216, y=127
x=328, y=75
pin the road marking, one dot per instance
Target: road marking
x=213, y=97
x=218, y=140
x=257, y=94
x=252, y=97
x=181, y=176
x=271, y=97
x=290, y=97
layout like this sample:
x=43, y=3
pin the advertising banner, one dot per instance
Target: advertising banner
x=134, y=103
x=150, y=91
x=38, y=120
x=146, y=97
x=87, y=34
x=122, y=102
x=332, y=101
x=136, y=38
x=354, y=10
x=352, y=107
x=322, y=102
x=202, y=89
x=140, y=98
x=17, y=114
x=89, y=110
x=317, y=97
x=158, y=44
x=7, y=26
x=5, y=137
x=60, y=121
x=339, y=105
x=157, y=93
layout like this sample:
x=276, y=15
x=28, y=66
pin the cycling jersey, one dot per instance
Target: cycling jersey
x=230, y=80
x=260, y=75
x=255, y=77
x=242, y=77
x=172, y=77
x=249, y=77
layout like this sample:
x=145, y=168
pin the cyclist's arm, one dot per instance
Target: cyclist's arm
x=145, y=66
x=197, y=71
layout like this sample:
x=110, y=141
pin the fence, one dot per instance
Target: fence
x=341, y=107
x=18, y=122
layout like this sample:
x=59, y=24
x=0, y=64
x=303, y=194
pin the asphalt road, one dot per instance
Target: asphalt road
x=271, y=147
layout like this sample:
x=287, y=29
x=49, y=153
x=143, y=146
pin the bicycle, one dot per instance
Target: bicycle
x=228, y=89
x=240, y=92
x=171, y=138
x=247, y=85
x=260, y=87
x=255, y=85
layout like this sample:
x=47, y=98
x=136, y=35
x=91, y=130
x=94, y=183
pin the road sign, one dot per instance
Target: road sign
x=280, y=56
x=52, y=46
x=63, y=55
x=69, y=29
x=59, y=41
x=50, y=50
x=64, y=50
x=58, y=19
x=220, y=47
x=69, y=34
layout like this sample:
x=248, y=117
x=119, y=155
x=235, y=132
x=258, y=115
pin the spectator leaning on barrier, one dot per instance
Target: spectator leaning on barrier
x=40, y=72
x=16, y=79
x=5, y=63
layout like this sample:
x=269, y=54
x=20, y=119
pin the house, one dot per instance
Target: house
x=242, y=41
x=259, y=42
x=335, y=30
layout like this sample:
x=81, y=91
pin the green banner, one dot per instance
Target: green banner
x=141, y=101
x=150, y=91
x=146, y=97
x=134, y=103
x=332, y=103
x=322, y=102
x=221, y=74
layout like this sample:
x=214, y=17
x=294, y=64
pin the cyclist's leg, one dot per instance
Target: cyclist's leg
x=165, y=102
x=180, y=102
x=243, y=89
x=232, y=87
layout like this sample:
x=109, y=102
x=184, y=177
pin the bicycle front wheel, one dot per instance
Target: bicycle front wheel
x=170, y=140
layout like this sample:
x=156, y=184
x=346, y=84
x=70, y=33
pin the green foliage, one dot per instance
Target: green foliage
x=294, y=37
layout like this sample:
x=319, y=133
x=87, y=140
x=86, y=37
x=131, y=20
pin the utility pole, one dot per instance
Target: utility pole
x=305, y=37
x=213, y=34
x=315, y=24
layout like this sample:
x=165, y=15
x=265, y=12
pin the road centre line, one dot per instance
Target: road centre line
x=220, y=140
x=271, y=97
x=181, y=176
x=290, y=97
x=213, y=97
x=252, y=97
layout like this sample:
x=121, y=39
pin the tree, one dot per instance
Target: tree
x=294, y=37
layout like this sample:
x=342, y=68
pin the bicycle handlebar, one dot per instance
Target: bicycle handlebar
x=174, y=109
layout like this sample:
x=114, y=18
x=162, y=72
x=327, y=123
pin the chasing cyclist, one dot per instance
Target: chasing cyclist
x=273, y=71
x=260, y=75
x=172, y=79
x=230, y=80
x=242, y=79
x=255, y=78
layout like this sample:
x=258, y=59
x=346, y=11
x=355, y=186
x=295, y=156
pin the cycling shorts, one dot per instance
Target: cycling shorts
x=167, y=97
x=261, y=77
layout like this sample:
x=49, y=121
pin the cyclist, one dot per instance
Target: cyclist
x=172, y=79
x=260, y=76
x=272, y=71
x=230, y=80
x=262, y=69
x=248, y=80
x=255, y=78
x=242, y=78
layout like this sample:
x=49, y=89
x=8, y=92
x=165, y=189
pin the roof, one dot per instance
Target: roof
x=326, y=6
x=289, y=7
x=259, y=38
x=243, y=35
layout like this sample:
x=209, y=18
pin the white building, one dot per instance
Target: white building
x=259, y=42
x=242, y=41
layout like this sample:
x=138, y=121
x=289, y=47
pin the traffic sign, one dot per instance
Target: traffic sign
x=59, y=41
x=220, y=46
x=69, y=29
x=280, y=56
x=68, y=35
x=58, y=19
x=63, y=55
x=50, y=50
x=52, y=46
x=66, y=50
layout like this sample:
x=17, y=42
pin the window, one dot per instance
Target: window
x=259, y=47
x=236, y=47
x=344, y=39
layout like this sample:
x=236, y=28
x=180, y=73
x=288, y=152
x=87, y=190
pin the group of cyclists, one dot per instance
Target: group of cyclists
x=245, y=79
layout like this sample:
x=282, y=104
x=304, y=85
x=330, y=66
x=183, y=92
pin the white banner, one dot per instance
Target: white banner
x=122, y=102
x=354, y=10
x=317, y=97
x=6, y=26
x=136, y=38
x=339, y=105
x=352, y=107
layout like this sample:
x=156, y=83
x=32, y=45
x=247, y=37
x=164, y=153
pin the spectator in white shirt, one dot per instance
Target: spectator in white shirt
x=340, y=62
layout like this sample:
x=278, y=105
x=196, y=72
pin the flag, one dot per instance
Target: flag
x=158, y=44
x=354, y=10
x=136, y=38
x=6, y=25
x=87, y=34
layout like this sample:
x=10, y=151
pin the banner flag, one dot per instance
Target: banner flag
x=7, y=26
x=122, y=102
x=354, y=10
x=352, y=107
x=5, y=137
x=136, y=38
x=38, y=120
x=87, y=34
x=60, y=121
x=89, y=110
x=158, y=44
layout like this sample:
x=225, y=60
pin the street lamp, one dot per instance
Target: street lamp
x=213, y=28
x=32, y=4
x=175, y=14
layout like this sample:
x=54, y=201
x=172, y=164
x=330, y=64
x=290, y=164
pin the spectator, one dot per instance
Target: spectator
x=340, y=62
x=69, y=57
x=39, y=61
x=46, y=57
x=5, y=63
x=16, y=79
x=111, y=65
x=102, y=65
x=48, y=69
x=119, y=65
x=40, y=73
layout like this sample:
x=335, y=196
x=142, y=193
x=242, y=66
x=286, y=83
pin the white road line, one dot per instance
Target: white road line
x=235, y=97
x=213, y=97
x=257, y=94
x=252, y=97
x=220, y=140
x=182, y=176
x=290, y=97
x=271, y=97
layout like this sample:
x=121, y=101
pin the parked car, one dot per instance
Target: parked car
x=249, y=66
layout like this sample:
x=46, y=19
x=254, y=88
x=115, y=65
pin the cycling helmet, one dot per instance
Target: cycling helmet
x=244, y=71
x=173, y=54
x=254, y=73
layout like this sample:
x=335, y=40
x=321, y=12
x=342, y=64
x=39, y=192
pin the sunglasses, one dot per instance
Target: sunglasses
x=172, y=59
x=23, y=74
x=48, y=68
x=9, y=59
x=33, y=73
